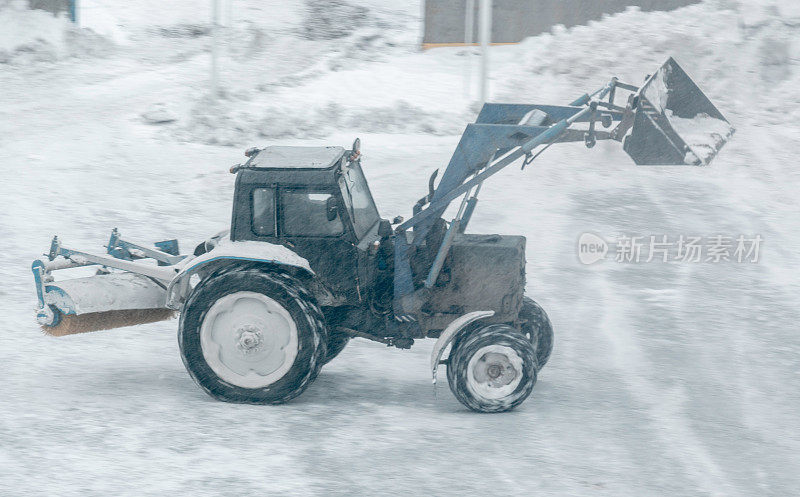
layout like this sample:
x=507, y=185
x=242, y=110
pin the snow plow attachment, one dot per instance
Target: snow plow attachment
x=109, y=299
x=674, y=122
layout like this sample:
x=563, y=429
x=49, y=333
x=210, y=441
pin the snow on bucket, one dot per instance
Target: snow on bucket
x=675, y=123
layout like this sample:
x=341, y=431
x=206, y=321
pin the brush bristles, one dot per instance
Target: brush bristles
x=96, y=321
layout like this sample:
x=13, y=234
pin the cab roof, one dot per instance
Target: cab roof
x=281, y=157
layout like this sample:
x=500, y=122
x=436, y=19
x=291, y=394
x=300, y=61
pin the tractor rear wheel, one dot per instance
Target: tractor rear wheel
x=337, y=341
x=537, y=326
x=492, y=369
x=253, y=337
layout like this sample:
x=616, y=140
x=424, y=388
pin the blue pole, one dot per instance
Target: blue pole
x=73, y=10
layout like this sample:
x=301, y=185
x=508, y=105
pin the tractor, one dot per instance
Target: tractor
x=309, y=263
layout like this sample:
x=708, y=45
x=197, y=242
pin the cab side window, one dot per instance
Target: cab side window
x=310, y=214
x=264, y=211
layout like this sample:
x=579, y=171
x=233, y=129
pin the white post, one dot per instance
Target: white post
x=215, y=48
x=469, y=28
x=486, y=38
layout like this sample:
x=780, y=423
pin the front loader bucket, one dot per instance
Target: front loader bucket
x=675, y=123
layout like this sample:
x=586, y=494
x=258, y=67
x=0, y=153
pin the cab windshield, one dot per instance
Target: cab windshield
x=358, y=200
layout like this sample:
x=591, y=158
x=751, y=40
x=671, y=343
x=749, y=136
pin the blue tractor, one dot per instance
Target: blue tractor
x=309, y=263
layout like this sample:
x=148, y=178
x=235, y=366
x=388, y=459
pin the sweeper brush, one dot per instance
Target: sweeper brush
x=108, y=299
x=96, y=321
x=308, y=262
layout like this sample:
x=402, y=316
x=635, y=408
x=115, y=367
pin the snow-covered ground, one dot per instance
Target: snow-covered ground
x=666, y=378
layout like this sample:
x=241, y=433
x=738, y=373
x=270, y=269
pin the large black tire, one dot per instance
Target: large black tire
x=314, y=310
x=337, y=341
x=281, y=292
x=537, y=326
x=503, y=388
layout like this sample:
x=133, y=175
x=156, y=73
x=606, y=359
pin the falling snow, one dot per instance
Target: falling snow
x=666, y=379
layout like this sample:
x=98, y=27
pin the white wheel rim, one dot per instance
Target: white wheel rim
x=494, y=372
x=248, y=339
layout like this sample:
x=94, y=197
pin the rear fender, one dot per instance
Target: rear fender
x=449, y=334
x=228, y=252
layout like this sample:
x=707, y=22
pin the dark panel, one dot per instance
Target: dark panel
x=54, y=6
x=515, y=20
x=482, y=272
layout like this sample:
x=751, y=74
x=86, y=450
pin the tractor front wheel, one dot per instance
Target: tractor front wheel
x=252, y=337
x=537, y=326
x=492, y=369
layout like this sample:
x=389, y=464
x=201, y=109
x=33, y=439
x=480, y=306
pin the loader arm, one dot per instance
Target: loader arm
x=666, y=121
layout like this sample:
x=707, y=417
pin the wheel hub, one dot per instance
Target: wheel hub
x=494, y=371
x=250, y=339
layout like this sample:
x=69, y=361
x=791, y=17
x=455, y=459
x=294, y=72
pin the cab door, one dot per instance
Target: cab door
x=313, y=223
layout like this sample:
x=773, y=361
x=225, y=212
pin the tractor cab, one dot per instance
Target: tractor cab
x=314, y=200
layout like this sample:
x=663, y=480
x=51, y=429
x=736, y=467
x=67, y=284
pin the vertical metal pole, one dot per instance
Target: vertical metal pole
x=215, y=47
x=75, y=8
x=486, y=38
x=228, y=25
x=469, y=29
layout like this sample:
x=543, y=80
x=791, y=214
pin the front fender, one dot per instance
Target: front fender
x=249, y=251
x=449, y=334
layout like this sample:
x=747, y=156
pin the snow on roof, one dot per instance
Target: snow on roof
x=296, y=157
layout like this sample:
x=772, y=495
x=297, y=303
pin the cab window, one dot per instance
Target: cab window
x=310, y=214
x=264, y=211
x=358, y=200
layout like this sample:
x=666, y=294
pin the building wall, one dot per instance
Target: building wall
x=57, y=6
x=514, y=20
